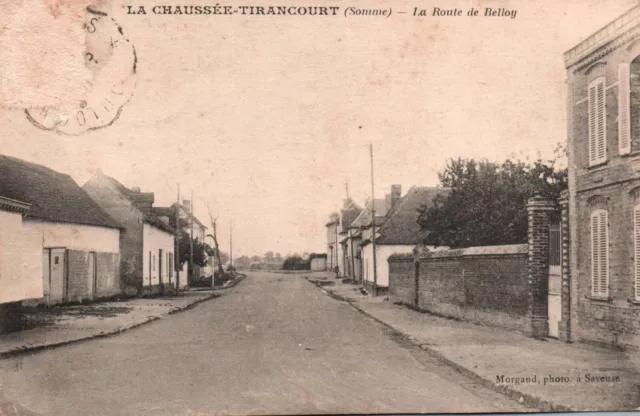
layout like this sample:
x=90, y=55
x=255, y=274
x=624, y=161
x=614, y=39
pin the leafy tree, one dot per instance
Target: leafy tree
x=278, y=257
x=201, y=251
x=268, y=256
x=487, y=201
x=296, y=262
x=256, y=259
x=242, y=262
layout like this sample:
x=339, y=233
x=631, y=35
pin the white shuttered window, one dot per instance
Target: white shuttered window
x=624, y=109
x=636, y=249
x=600, y=253
x=597, y=122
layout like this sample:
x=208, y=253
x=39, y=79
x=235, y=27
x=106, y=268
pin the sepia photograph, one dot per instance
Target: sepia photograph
x=306, y=208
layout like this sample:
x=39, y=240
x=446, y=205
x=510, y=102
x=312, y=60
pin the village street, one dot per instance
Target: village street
x=273, y=344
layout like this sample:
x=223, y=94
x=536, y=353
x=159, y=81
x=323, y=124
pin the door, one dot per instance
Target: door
x=46, y=275
x=160, y=260
x=92, y=274
x=554, y=297
x=57, y=276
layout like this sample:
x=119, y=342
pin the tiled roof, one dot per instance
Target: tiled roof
x=364, y=218
x=402, y=225
x=149, y=218
x=53, y=196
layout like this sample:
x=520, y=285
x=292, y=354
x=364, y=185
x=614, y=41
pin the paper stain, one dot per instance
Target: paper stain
x=42, y=52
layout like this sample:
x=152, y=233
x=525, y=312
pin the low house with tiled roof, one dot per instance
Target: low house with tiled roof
x=60, y=237
x=349, y=212
x=362, y=226
x=399, y=234
x=147, y=244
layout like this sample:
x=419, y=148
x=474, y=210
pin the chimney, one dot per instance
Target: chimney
x=396, y=192
x=187, y=205
x=142, y=200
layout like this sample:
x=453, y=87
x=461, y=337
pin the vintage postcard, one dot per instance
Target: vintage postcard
x=320, y=207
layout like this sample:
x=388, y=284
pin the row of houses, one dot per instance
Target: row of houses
x=60, y=242
x=578, y=277
x=350, y=242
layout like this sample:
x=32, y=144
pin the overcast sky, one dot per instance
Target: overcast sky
x=266, y=118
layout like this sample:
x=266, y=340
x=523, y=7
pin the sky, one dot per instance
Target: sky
x=265, y=119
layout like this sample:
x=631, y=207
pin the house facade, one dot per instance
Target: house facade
x=20, y=271
x=399, y=234
x=603, y=78
x=146, y=243
x=332, y=242
x=358, y=258
x=188, y=223
x=350, y=211
x=73, y=241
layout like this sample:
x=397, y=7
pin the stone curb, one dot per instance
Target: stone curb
x=38, y=348
x=529, y=400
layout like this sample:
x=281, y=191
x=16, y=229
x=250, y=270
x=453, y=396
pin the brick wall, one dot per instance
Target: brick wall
x=108, y=279
x=80, y=286
x=402, y=287
x=481, y=284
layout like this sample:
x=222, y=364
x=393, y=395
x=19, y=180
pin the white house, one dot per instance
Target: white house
x=76, y=242
x=147, y=244
x=20, y=249
x=399, y=234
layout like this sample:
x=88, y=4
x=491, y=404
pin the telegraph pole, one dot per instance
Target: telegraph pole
x=231, y=244
x=373, y=228
x=177, y=242
x=353, y=264
x=191, y=239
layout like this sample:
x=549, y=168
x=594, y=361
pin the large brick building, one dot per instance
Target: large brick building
x=603, y=77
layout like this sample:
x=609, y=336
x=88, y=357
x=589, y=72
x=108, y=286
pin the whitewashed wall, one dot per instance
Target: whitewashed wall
x=20, y=260
x=383, y=252
x=153, y=240
x=76, y=236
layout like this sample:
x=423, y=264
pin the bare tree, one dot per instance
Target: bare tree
x=215, y=241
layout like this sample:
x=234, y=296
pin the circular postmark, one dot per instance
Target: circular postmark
x=111, y=57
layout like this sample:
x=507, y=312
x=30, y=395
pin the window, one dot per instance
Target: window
x=600, y=253
x=154, y=262
x=597, y=122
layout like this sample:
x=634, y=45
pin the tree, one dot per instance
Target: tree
x=224, y=257
x=278, y=257
x=201, y=250
x=256, y=259
x=487, y=203
x=268, y=256
x=296, y=263
x=242, y=262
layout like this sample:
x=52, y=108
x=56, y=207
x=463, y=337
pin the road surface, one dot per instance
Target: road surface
x=273, y=344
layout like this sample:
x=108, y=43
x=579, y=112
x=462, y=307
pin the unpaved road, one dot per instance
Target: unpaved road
x=272, y=344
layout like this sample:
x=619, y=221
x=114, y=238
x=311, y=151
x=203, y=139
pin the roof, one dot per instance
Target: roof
x=53, y=196
x=402, y=225
x=149, y=218
x=364, y=218
x=350, y=214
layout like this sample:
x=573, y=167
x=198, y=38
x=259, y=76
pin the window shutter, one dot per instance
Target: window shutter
x=597, y=122
x=599, y=253
x=595, y=264
x=624, y=125
x=636, y=253
x=604, y=254
x=592, y=124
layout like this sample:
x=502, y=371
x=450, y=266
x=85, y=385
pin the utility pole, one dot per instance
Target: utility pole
x=373, y=228
x=353, y=264
x=177, y=242
x=231, y=243
x=191, y=239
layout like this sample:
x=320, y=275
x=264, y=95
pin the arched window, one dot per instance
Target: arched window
x=597, y=122
x=600, y=252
